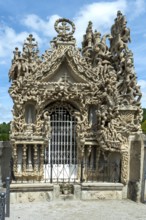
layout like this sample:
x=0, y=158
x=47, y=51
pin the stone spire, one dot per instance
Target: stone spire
x=30, y=48
x=24, y=63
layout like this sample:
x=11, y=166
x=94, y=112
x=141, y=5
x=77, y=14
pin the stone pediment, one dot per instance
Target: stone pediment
x=64, y=73
x=65, y=61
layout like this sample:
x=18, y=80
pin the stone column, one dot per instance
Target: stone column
x=125, y=172
x=124, y=167
x=1, y=147
x=24, y=158
x=29, y=165
x=15, y=159
x=35, y=158
x=42, y=159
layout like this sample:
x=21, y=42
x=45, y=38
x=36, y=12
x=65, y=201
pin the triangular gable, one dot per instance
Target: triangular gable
x=66, y=60
x=66, y=74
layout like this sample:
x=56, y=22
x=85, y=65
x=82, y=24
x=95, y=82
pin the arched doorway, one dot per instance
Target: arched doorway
x=62, y=148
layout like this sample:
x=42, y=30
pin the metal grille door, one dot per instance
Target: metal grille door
x=63, y=140
x=62, y=147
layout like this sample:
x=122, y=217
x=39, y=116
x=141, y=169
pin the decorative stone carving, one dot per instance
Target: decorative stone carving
x=124, y=167
x=98, y=75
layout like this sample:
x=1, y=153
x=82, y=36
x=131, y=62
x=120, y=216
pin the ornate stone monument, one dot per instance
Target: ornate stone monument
x=77, y=106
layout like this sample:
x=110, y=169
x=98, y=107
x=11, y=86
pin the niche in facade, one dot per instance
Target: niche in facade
x=30, y=113
x=92, y=118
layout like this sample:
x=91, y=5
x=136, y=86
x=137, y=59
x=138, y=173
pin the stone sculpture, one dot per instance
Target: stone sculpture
x=104, y=77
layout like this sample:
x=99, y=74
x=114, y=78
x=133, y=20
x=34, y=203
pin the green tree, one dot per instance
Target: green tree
x=144, y=114
x=4, y=131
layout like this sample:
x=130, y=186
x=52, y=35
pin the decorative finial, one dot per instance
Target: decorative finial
x=66, y=28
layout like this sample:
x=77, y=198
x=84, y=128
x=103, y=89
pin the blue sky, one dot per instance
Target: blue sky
x=19, y=18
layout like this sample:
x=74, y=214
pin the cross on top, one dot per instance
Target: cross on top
x=29, y=45
x=64, y=28
x=65, y=78
x=30, y=40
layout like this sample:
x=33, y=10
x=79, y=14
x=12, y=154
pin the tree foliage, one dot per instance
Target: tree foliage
x=4, y=131
x=143, y=126
x=143, y=123
x=144, y=115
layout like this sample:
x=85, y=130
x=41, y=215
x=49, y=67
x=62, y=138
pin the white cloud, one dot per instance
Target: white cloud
x=36, y=23
x=139, y=6
x=9, y=39
x=142, y=83
x=102, y=15
x=5, y=106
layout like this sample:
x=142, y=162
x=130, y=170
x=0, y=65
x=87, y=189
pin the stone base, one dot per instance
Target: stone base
x=21, y=193
x=66, y=197
x=96, y=191
x=31, y=187
x=24, y=197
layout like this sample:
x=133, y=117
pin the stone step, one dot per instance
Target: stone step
x=66, y=197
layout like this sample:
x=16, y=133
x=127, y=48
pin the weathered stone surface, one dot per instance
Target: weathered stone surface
x=25, y=197
x=96, y=84
x=56, y=191
x=32, y=187
x=77, y=191
x=101, y=195
x=96, y=191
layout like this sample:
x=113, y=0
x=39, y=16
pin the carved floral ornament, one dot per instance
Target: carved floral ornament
x=67, y=27
x=105, y=78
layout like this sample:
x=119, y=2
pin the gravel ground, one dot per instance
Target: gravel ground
x=79, y=210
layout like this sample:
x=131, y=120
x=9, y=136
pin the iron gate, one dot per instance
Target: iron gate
x=63, y=137
x=62, y=149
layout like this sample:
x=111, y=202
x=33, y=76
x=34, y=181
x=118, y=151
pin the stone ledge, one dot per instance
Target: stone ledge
x=101, y=186
x=31, y=187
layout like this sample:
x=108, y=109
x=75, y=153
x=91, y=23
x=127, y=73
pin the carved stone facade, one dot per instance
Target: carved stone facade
x=96, y=84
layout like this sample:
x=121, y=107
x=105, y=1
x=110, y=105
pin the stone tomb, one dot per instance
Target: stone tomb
x=76, y=115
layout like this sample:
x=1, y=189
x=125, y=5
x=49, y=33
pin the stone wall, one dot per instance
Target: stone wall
x=5, y=159
x=136, y=168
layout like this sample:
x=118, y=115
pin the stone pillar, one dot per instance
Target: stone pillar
x=124, y=167
x=1, y=147
x=24, y=157
x=124, y=172
x=35, y=158
x=29, y=164
x=42, y=159
x=15, y=159
x=136, y=172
